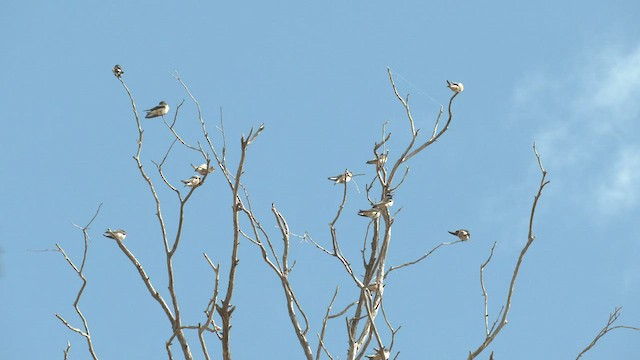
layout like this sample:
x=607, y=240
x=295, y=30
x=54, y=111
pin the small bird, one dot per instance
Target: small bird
x=455, y=87
x=381, y=354
x=117, y=71
x=115, y=234
x=370, y=213
x=342, y=178
x=374, y=286
x=203, y=169
x=386, y=202
x=160, y=110
x=192, y=181
x=379, y=161
x=462, y=234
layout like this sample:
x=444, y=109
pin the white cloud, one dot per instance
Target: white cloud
x=621, y=188
x=589, y=120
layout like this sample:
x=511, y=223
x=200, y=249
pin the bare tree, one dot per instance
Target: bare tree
x=368, y=334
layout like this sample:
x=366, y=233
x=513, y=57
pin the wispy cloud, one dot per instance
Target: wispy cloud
x=589, y=121
x=620, y=188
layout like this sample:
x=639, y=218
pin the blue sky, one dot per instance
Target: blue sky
x=562, y=75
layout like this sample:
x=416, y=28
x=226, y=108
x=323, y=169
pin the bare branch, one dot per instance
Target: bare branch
x=324, y=327
x=66, y=351
x=404, y=103
x=613, y=317
x=392, y=268
x=484, y=291
x=79, y=271
x=507, y=306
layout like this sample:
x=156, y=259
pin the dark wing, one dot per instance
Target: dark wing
x=156, y=108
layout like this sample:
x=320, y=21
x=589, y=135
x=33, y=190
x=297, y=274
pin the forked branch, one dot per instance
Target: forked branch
x=530, y=238
x=613, y=317
x=84, y=332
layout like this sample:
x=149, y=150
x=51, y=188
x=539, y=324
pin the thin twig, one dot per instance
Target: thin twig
x=324, y=327
x=530, y=238
x=484, y=291
x=86, y=333
x=392, y=268
x=613, y=317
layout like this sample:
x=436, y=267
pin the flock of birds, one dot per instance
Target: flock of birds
x=387, y=201
x=374, y=212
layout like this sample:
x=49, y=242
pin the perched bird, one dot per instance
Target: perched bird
x=374, y=286
x=160, y=110
x=379, y=161
x=386, y=202
x=455, y=87
x=381, y=354
x=462, y=234
x=370, y=213
x=192, y=181
x=117, y=71
x=342, y=178
x=115, y=234
x=203, y=169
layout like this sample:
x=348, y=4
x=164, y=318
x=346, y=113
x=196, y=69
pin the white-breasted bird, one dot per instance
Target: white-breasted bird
x=455, y=87
x=379, y=161
x=381, y=354
x=202, y=169
x=462, y=234
x=386, y=202
x=370, y=213
x=192, y=181
x=160, y=110
x=374, y=286
x=345, y=177
x=115, y=234
x=117, y=71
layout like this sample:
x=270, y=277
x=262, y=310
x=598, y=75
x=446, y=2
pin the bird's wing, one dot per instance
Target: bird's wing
x=156, y=108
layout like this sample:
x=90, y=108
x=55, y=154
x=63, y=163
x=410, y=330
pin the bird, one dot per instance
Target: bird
x=370, y=213
x=203, y=169
x=455, y=87
x=342, y=178
x=386, y=202
x=192, y=181
x=115, y=234
x=381, y=354
x=379, y=161
x=374, y=286
x=160, y=110
x=462, y=234
x=117, y=71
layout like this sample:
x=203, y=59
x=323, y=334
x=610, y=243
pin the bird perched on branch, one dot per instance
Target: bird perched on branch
x=370, y=213
x=160, y=110
x=345, y=177
x=462, y=234
x=379, y=161
x=381, y=354
x=455, y=87
x=203, y=169
x=115, y=234
x=192, y=181
x=117, y=71
x=386, y=202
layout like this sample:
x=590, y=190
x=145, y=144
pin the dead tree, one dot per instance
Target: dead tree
x=368, y=274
